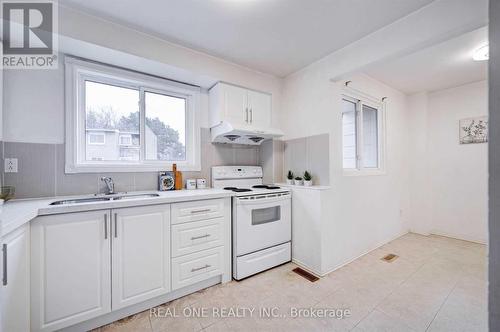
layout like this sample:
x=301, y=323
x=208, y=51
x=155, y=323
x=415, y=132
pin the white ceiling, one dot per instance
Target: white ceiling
x=441, y=66
x=272, y=36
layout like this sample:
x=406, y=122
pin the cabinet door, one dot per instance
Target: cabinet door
x=141, y=254
x=14, y=289
x=260, y=109
x=235, y=104
x=70, y=269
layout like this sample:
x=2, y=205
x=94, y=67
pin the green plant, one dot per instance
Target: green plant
x=298, y=178
x=307, y=176
x=290, y=175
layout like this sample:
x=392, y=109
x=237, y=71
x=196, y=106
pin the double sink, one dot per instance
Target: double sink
x=104, y=198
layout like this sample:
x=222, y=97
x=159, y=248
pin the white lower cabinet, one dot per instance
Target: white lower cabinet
x=140, y=254
x=15, y=285
x=88, y=264
x=70, y=269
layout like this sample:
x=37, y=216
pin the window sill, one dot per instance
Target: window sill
x=375, y=172
x=114, y=168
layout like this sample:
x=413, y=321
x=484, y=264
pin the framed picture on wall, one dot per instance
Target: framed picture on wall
x=474, y=130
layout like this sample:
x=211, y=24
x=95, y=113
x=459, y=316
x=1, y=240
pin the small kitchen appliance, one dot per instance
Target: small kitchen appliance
x=262, y=230
x=166, y=181
x=191, y=184
x=201, y=183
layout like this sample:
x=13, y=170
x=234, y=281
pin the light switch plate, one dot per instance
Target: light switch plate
x=10, y=165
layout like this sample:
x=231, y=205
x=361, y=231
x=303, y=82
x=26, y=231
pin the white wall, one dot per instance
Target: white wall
x=453, y=198
x=419, y=186
x=34, y=99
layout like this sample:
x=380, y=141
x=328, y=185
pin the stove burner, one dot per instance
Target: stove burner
x=237, y=190
x=255, y=139
x=265, y=186
x=232, y=138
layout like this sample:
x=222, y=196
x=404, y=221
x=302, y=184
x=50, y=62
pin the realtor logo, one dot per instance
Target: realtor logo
x=29, y=34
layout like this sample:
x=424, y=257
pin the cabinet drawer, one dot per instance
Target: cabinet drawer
x=195, y=236
x=197, y=210
x=192, y=268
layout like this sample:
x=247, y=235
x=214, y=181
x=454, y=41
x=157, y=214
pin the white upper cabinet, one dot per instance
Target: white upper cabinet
x=70, y=269
x=140, y=254
x=235, y=101
x=239, y=106
x=15, y=284
x=259, y=105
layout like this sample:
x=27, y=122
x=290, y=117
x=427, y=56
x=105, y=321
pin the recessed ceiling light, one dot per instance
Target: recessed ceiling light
x=481, y=54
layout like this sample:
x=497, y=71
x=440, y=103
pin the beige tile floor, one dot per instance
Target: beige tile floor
x=436, y=284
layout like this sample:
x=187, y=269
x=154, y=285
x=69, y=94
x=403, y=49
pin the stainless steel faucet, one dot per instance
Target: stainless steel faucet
x=109, y=183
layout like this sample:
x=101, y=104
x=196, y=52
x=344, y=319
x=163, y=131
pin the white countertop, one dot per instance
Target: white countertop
x=313, y=187
x=17, y=212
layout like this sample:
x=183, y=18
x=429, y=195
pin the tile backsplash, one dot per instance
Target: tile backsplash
x=41, y=169
x=41, y=166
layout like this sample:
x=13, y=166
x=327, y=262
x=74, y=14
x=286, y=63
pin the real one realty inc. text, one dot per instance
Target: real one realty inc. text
x=245, y=312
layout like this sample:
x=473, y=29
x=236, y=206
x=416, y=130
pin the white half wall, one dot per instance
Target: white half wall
x=364, y=211
x=449, y=180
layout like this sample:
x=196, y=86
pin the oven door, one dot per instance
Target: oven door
x=261, y=222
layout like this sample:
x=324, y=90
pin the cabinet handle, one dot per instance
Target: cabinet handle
x=4, y=249
x=246, y=116
x=116, y=225
x=200, y=237
x=200, y=268
x=106, y=226
x=251, y=115
x=200, y=211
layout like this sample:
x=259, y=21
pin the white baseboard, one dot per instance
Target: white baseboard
x=459, y=237
x=420, y=232
x=450, y=235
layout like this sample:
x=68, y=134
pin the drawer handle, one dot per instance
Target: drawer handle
x=200, y=237
x=105, y=226
x=200, y=211
x=200, y=268
x=4, y=279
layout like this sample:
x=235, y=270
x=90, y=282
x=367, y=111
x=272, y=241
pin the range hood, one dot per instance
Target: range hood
x=224, y=132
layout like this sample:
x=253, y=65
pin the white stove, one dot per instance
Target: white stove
x=261, y=222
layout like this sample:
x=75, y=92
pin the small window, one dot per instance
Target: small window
x=120, y=120
x=361, y=140
x=125, y=139
x=96, y=138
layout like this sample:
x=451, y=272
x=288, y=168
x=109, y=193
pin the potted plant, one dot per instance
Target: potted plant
x=307, y=179
x=289, y=177
x=299, y=181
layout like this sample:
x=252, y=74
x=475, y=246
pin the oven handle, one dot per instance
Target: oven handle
x=247, y=200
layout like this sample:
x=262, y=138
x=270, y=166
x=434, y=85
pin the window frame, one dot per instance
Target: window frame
x=361, y=99
x=77, y=71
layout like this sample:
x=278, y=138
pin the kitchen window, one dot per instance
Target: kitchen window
x=362, y=139
x=120, y=120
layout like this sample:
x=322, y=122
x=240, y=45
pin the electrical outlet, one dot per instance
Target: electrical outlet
x=10, y=165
